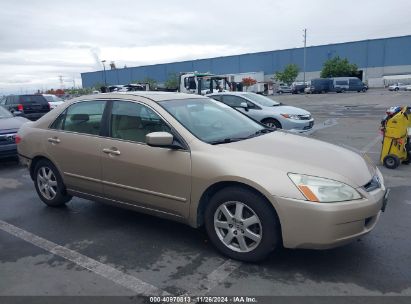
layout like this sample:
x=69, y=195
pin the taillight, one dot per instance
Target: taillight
x=17, y=139
x=20, y=107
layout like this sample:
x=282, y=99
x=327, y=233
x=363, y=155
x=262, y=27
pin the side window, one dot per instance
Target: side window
x=232, y=101
x=84, y=117
x=58, y=123
x=133, y=121
x=3, y=101
x=216, y=97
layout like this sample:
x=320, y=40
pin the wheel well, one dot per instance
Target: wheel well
x=33, y=164
x=270, y=118
x=213, y=189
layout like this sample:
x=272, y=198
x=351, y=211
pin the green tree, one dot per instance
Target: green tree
x=172, y=81
x=338, y=67
x=152, y=82
x=288, y=75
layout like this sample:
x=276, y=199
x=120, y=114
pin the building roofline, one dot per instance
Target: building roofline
x=256, y=53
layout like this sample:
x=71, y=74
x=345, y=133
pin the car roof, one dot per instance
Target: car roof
x=230, y=93
x=154, y=96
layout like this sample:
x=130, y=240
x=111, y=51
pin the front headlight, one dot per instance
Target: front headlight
x=291, y=116
x=323, y=190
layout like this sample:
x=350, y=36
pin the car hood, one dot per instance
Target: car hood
x=287, y=110
x=12, y=123
x=299, y=154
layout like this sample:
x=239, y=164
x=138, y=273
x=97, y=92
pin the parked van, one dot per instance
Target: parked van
x=320, y=85
x=344, y=84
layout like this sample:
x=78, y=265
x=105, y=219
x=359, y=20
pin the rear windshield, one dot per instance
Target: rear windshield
x=32, y=99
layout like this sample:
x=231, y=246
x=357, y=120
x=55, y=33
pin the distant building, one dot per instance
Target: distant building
x=380, y=61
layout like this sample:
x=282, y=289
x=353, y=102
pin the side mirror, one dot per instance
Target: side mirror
x=244, y=105
x=17, y=113
x=159, y=139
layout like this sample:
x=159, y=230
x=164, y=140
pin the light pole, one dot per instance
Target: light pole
x=104, y=67
x=305, y=51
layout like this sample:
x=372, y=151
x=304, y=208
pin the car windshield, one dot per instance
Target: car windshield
x=4, y=113
x=211, y=121
x=261, y=100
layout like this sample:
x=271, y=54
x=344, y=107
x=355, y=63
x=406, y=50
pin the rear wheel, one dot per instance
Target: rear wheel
x=272, y=123
x=242, y=225
x=49, y=185
x=391, y=161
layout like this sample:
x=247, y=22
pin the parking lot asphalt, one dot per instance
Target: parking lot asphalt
x=88, y=248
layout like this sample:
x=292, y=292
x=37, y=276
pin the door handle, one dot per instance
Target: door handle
x=114, y=151
x=53, y=140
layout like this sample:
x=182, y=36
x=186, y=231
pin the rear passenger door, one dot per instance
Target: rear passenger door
x=73, y=143
x=134, y=173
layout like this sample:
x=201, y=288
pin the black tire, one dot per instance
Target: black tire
x=397, y=89
x=391, y=161
x=270, y=231
x=280, y=92
x=271, y=122
x=60, y=198
x=364, y=90
x=343, y=91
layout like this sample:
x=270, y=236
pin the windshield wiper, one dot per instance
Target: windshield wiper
x=262, y=131
x=234, y=139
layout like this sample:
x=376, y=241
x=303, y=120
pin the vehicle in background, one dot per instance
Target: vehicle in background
x=284, y=89
x=197, y=161
x=53, y=100
x=31, y=106
x=408, y=87
x=298, y=87
x=345, y=84
x=397, y=87
x=320, y=85
x=9, y=125
x=202, y=83
x=267, y=111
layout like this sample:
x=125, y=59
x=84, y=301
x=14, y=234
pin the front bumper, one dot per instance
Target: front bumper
x=298, y=126
x=326, y=225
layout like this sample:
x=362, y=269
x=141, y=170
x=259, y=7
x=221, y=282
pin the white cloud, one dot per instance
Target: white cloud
x=46, y=38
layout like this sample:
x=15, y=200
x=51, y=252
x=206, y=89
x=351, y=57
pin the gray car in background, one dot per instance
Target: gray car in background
x=267, y=111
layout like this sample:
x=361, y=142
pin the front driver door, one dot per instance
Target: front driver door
x=135, y=173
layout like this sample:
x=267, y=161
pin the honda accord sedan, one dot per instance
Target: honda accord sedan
x=198, y=161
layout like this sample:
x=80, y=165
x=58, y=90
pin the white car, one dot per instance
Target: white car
x=408, y=87
x=398, y=86
x=53, y=100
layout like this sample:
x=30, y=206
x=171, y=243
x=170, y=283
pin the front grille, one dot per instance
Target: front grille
x=372, y=184
x=304, y=117
x=7, y=139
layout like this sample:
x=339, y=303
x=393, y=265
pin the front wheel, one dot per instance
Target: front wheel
x=49, y=185
x=242, y=225
x=272, y=123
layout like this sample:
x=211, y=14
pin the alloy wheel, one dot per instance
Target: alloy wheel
x=237, y=226
x=47, y=183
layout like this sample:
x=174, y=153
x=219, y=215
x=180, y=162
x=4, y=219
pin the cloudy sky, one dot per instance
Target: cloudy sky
x=42, y=39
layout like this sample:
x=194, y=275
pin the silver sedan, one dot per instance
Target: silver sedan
x=267, y=111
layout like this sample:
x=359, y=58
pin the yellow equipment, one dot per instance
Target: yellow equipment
x=395, y=145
